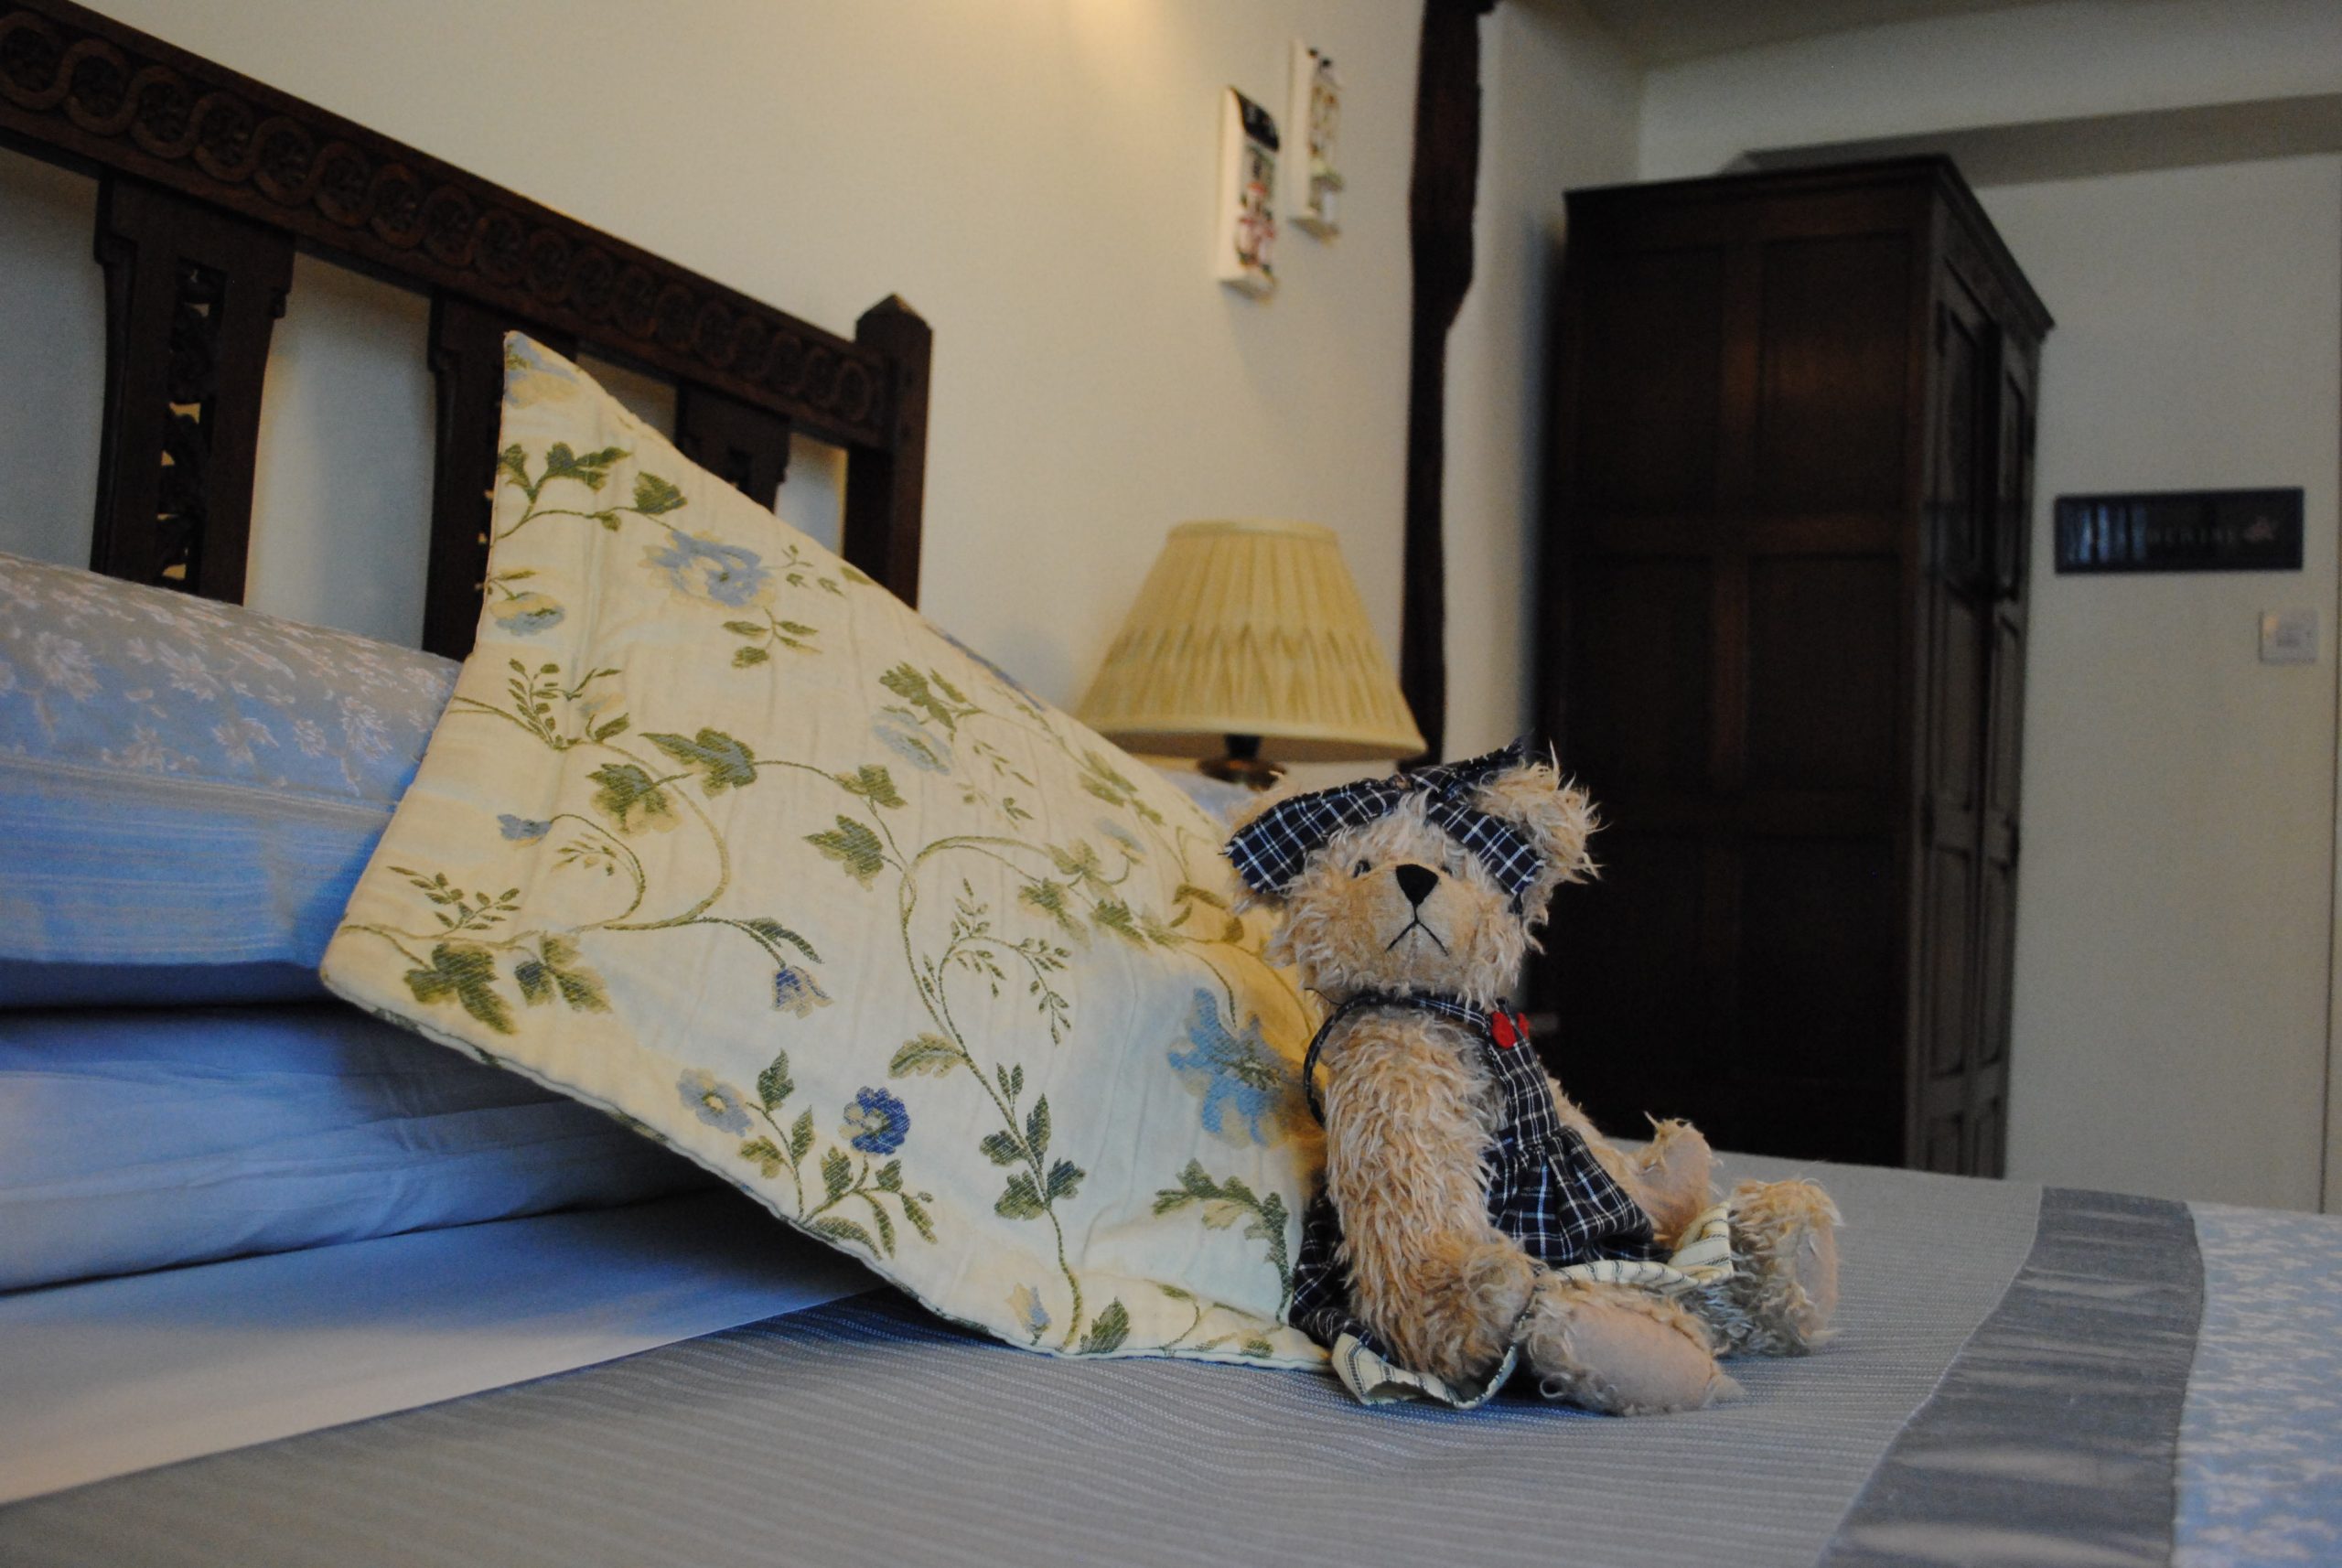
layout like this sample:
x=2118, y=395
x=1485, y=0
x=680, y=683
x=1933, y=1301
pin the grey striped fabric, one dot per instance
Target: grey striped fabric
x=868, y=1432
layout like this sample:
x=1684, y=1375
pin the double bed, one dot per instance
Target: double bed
x=554, y=1347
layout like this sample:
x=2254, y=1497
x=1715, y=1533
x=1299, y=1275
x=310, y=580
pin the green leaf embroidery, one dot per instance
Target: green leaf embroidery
x=911, y=686
x=1050, y=899
x=626, y=788
x=589, y=470
x=1065, y=1179
x=1037, y=1127
x=744, y=628
x=1107, y=1330
x=886, y=1230
x=722, y=762
x=772, y=930
x=845, y=1230
x=853, y=846
x=513, y=463
x=915, y=1212
x=873, y=784
x=889, y=1177
x=747, y=658
x=801, y=1138
x=774, y=1084
x=1002, y=1149
x=1113, y=914
x=766, y=1154
x=653, y=495
x=469, y=975
x=931, y=1055
x=1022, y=1201
x=837, y=1173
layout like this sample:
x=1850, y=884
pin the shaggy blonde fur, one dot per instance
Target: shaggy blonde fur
x=1410, y=1114
x=1620, y=1351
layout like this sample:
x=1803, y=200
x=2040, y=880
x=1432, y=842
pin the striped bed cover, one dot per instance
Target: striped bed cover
x=2020, y=1379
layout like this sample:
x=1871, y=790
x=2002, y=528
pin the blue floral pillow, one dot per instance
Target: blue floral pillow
x=188, y=789
x=719, y=835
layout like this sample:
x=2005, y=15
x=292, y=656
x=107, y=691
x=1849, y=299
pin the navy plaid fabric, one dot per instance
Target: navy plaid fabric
x=1546, y=1190
x=1270, y=851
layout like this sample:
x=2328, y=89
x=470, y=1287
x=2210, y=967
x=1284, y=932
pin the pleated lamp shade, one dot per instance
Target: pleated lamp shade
x=1251, y=628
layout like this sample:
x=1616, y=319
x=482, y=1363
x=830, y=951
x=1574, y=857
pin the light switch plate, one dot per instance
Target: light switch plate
x=2288, y=637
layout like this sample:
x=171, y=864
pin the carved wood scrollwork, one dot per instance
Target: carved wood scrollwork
x=191, y=297
x=108, y=93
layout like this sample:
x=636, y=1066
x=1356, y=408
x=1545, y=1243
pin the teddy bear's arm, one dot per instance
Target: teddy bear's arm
x=1673, y=1178
x=1407, y=1130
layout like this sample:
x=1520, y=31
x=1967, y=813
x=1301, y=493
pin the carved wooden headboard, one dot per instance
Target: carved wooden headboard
x=208, y=182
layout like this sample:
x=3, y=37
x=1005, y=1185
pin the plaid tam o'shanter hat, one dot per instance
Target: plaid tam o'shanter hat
x=1270, y=851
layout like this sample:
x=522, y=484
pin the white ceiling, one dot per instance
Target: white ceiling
x=1662, y=32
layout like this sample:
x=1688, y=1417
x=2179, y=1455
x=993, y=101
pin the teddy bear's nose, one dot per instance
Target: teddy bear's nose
x=1416, y=881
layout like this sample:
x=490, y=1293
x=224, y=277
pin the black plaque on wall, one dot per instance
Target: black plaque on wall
x=2181, y=531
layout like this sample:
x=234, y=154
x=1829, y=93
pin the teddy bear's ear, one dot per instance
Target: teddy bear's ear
x=1243, y=817
x=1557, y=816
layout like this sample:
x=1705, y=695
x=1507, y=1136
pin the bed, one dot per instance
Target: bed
x=498, y=1328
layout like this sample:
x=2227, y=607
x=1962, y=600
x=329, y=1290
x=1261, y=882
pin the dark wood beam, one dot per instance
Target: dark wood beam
x=1439, y=210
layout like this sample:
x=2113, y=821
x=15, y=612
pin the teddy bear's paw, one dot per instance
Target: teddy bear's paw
x=1784, y=1289
x=1674, y=1176
x=1620, y=1351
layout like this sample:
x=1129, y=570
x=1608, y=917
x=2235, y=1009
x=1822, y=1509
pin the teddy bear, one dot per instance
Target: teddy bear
x=1472, y=1217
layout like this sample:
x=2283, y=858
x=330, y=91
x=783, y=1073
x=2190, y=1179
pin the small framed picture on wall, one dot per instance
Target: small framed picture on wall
x=1316, y=123
x=1247, y=237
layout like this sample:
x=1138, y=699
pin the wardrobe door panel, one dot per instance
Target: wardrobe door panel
x=1831, y=417
x=1651, y=388
x=1642, y=721
x=1824, y=640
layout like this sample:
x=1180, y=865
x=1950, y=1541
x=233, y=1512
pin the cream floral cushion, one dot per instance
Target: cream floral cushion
x=720, y=836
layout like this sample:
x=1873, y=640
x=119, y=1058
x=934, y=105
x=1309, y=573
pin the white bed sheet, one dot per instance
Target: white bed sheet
x=106, y=1377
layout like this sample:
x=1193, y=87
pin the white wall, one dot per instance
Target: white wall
x=1036, y=177
x=1559, y=110
x=2175, y=897
x=2061, y=60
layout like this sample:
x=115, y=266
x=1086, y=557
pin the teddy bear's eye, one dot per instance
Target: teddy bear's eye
x=1360, y=869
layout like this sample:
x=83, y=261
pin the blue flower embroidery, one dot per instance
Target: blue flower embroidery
x=1249, y=1093
x=1123, y=837
x=525, y=615
x=1026, y=1303
x=523, y=829
x=705, y=569
x=796, y=992
x=908, y=739
x=714, y=1101
x=877, y=1122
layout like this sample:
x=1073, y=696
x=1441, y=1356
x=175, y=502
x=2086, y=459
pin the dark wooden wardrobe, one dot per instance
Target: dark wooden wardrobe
x=1783, y=645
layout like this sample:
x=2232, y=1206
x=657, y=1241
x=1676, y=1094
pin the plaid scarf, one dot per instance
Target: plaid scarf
x=1270, y=851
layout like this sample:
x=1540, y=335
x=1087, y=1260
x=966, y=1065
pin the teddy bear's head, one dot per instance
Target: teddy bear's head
x=1432, y=881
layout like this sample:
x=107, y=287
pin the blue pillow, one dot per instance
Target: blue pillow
x=188, y=789
x=139, y=1139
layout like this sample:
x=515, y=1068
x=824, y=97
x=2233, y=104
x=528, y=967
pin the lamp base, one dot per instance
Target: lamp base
x=1243, y=765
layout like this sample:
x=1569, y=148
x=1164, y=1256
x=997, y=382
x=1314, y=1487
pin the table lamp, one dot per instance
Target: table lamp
x=1249, y=647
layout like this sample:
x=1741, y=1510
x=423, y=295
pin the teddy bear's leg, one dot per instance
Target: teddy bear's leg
x=1404, y=1138
x=1781, y=1296
x=1618, y=1350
